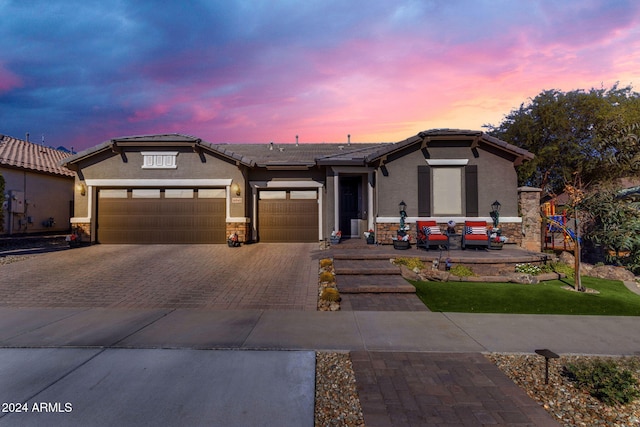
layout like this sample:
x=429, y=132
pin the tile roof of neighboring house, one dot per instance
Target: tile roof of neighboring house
x=21, y=154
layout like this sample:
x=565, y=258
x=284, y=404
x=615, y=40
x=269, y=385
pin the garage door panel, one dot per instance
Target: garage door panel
x=286, y=220
x=159, y=220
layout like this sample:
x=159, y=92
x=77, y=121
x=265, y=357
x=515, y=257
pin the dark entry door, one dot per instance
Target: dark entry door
x=350, y=202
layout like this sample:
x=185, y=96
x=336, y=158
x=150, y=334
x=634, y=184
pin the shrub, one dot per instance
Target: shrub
x=462, y=271
x=564, y=269
x=326, y=276
x=330, y=294
x=411, y=263
x=605, y=381
x=528, y=269
x=326, y=262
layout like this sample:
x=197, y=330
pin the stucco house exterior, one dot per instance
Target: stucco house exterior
x=180, y=189
x=38, y=190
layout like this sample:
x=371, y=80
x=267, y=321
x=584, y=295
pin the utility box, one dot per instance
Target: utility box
x=16, y=202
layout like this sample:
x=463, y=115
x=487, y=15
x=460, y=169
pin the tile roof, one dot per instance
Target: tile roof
x=449, y=134
x=21, y=154
x=298, y=155
x=265, y=155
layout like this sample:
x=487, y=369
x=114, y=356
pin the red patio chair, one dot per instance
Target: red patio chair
x=428, y=233
x=475, y=233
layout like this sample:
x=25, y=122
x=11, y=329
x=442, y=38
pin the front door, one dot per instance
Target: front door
x=350, y=203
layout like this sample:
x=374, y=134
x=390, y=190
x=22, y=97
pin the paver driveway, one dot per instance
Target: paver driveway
x=259, y=276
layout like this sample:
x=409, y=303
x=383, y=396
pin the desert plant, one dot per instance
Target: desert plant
x=410, y=263
x=327, y=277
x=326, y=262
x=564, y=269
x=605, y=381
x=462, y=271
x=330, y=294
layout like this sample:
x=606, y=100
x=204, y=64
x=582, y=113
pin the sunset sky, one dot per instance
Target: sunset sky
x=82, y=72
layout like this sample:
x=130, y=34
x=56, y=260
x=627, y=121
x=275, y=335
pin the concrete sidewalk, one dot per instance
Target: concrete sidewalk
x=312, y=330
x=134, y=366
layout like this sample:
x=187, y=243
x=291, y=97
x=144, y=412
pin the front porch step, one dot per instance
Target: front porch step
x=364, y=267
x=361, y=255
x=355, y=284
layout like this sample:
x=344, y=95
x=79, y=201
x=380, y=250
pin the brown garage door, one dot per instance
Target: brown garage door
x=288, y=216
x=161, y=216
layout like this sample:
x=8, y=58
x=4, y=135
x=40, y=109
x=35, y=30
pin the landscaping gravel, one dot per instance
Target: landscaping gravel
x=570, y=405
x=337, y=402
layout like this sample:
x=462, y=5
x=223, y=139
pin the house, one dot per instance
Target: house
x=38, y=190
x=180, y=189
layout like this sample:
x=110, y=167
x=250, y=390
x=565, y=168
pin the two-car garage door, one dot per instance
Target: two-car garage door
x=161, y=216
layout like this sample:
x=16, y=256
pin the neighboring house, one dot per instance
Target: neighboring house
x=38, y=190
x=179, y=189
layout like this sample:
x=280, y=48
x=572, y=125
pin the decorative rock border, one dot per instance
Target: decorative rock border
x=446, y=276
x=324, y=305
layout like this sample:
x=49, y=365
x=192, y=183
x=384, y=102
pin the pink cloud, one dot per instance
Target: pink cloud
x=8, y=80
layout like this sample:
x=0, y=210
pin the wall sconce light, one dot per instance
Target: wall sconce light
x=81, y=189
x=236, y=189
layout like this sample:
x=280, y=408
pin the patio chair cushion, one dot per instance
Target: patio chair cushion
x=433, y=233
x=475, y=230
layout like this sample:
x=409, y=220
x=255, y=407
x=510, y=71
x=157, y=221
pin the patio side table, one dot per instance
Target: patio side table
x=455, y=241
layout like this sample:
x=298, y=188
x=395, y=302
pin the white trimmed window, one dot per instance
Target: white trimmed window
x=447, y=190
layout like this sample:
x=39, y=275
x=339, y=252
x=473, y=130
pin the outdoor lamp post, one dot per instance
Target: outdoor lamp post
x=403, y=214
x=495, y=213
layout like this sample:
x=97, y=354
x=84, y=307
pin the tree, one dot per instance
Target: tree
x=578, y=132
x=614, y=223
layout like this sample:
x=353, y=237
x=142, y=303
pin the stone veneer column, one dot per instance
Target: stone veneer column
x=529, y=204
x=240, y=228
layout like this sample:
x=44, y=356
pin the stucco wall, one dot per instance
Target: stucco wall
x=45, y=196
x=497, y=179
x=110, y=165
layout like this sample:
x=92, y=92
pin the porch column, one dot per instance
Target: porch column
x=336, y=201
x=529, y=201
x=370, y=200
x=254, y=229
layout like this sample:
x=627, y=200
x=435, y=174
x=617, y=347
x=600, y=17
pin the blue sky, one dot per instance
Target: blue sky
x=81, y=72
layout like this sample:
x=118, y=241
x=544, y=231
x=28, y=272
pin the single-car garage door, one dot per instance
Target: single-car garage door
x=288, y=216
x=161, y=216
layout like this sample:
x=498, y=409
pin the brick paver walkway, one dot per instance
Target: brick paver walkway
x=440, y=389
x=261, y=276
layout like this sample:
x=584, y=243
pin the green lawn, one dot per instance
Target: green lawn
x=614, y=298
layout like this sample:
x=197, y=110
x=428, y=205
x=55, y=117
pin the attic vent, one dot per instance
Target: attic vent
x=271, y=146
x=341, y=147
x=281, y=149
